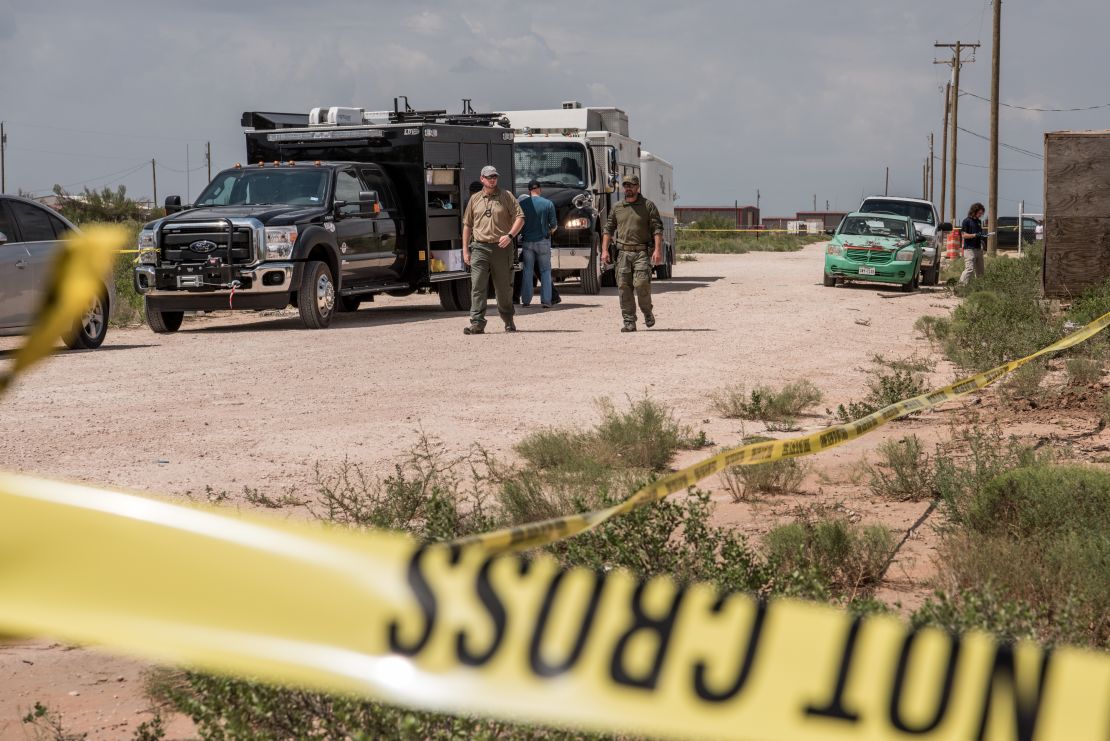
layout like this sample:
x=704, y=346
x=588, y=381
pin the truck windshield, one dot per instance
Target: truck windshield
x=916, y=211
x=258, y=187
x=558, y=164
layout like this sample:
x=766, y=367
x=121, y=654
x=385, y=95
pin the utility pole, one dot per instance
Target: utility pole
x=925, y=179
x=815, y=202
x=956, y=63
x=154, y=178
x=992, y=189
x=187, y=188
x=3, y=146
x=208, y=158
x=886, y=183
x=931, y=168
x=944, y=150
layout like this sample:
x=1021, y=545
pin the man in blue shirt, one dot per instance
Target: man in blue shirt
x=539, y=224
x=972, y=232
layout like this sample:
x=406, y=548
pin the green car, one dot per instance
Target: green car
x=882, y=248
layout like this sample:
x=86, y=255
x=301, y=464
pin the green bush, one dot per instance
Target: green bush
x=904, y=471
x=1002, y=318
x=884, y=389
x=1083, y=371
x=1041, y=535
x=846, y=559
x=765, y=403
x=746, y=483
x=1025, y=382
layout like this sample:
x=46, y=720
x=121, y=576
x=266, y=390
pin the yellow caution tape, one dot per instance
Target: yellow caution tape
x=76, y=279
x=533, y=534
x=456, y=628
x=459, y=630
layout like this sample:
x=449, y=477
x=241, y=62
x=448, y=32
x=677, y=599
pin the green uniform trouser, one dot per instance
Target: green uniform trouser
x=634, y=274
x=486, y=261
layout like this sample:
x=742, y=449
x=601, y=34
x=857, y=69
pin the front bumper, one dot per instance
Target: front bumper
x=891, y=272
x=220, y=280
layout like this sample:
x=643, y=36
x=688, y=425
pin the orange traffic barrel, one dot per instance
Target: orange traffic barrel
x=953, y=245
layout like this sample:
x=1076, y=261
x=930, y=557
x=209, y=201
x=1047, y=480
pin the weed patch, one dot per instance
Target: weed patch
x=747, y=483
x=904, y=471
x=846, y=558
x=884, y=389
x=765, y=403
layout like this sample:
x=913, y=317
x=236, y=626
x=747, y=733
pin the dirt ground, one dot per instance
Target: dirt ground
x=232, y=401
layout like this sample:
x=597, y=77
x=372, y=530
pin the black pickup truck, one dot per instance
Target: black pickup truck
x=328, y=217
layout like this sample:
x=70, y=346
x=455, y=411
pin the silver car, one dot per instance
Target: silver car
x=30, y=236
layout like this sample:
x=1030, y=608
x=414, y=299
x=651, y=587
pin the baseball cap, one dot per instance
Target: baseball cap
x=533, y=184
x=630, y=179
x=489, y=171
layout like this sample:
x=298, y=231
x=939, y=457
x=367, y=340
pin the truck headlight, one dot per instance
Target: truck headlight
x=148, y=250
x=905, y=255
x=577, y=222
x=280, y=241
x=835, y=249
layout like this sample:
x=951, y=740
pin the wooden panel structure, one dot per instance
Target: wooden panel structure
x=1077, y=211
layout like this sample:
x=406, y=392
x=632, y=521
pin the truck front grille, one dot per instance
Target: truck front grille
x=185, y=243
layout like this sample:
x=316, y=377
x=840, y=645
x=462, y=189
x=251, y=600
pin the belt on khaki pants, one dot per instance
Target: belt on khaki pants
x=634, y=247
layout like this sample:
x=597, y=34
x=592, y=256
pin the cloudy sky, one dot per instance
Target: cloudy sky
x=798, y=100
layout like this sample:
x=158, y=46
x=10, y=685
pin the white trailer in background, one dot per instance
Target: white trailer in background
x=579, y=155
x=657, y=185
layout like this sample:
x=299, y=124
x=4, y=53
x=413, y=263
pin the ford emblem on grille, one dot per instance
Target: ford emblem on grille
x=202, y=245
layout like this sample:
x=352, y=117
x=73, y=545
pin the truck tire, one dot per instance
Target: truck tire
x=163, y=322
x=89, y=331
x=931, y=276
x=829, y=281
x=910, y=286
x=348, y=303
x=316, y=295
x=591, y=276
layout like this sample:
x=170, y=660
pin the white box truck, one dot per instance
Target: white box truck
x=579, y=155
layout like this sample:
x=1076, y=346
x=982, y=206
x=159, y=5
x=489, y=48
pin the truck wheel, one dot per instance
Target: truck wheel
x=163, y=322
x=591, y=276
x=910, y=286
x=931, y=276
x=348, y=303
x=89, y=331
x=455, y=295
x=830, y=281
x=316, y=295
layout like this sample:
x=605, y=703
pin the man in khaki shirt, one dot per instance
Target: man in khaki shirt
x=492, y=220
x=636, y=225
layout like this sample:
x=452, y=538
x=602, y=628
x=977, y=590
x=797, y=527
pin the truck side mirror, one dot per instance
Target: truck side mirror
x=173, y=204
x=369, y=201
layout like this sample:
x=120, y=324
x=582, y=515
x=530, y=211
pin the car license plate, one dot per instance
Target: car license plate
x=864, y=270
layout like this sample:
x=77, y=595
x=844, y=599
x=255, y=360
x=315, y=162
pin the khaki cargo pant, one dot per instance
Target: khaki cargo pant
x=634, y=276
x=490, y=261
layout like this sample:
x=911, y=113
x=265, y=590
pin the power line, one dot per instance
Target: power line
x=1004, y=169
x=103, y=133
x=69, y=154
x=1039, y=110
x=174, y=169
x=118, y=175
x=1001, y=144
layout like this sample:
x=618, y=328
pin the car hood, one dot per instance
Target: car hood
x=859, y=241
x=268, y=214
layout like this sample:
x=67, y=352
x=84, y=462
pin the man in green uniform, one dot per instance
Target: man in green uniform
x=636, y=224
x=492, y=218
